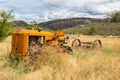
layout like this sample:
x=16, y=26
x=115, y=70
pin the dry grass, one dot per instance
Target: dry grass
x=96, y=64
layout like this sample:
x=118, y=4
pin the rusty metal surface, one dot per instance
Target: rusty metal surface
x=79, y=44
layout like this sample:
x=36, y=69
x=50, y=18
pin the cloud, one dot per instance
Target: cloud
x=44, y=10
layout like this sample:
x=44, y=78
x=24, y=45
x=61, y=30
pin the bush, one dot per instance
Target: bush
x=33, y=25
x=92, y=31
x=116, y=17
x=5, y=29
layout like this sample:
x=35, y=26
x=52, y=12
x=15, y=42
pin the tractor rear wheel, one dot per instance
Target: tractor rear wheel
x=98, y=43
x=76, y=43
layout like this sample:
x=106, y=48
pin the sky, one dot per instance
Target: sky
x=45, y=10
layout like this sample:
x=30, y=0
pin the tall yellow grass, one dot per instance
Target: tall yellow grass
x=95, y=64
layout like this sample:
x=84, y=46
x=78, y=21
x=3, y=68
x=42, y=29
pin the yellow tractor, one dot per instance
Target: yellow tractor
x=29, y=42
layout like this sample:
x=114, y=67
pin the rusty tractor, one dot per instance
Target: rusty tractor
x=28, y=43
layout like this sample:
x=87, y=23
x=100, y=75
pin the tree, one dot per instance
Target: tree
x=114, y=16
x=5, y=17
x=92, y=31
x=33, y=25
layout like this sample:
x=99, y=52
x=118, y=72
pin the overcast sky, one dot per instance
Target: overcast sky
x=44, y=10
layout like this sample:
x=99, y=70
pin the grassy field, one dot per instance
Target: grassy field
x=82, y=64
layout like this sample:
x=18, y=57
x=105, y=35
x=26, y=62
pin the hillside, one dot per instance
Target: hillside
x=21, y=23
x=68, y=23
x=101, y=29
x=60, y=24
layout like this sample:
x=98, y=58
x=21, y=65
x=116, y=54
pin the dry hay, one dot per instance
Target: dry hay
x=49, y=55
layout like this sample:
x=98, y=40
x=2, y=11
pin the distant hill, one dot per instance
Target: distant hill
x=20, y=23
x=68, y=23
x=60, y=24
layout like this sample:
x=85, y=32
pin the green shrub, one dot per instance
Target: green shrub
x=5, y=28
x=92, y=31
x=6, y=31
x=116, y=17
x=33, y=25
